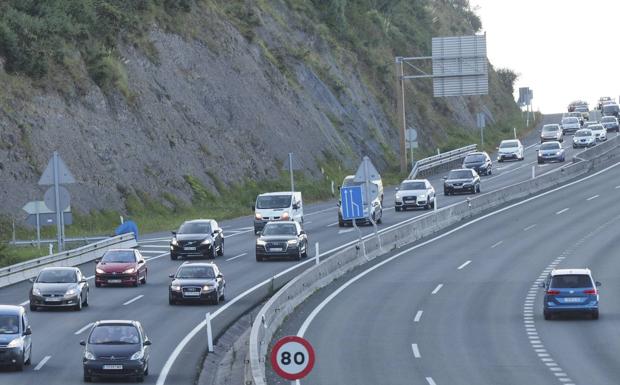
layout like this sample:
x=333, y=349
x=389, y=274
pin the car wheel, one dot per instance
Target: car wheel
x=87, y=378
x=259, y=258
x=216, y=300
x=29, y=360
x=340, y=223
x=143, y=280
x=86, y=299
x=140, y=378
x=222, y=296
x=78, y=307
x=146, y=371
x=478, y=189
x=213, y=253
x=540, y=162
x=490, y=172
x=33, y=307
x=19, y=365
x=173, y=257
x=97, y=284
x=397, y=208
x=595, y=314
x=298, y=256
x=547, y=315
x=380, y=220
x=170, y=300
x=305, y=253
x=137, y=280
x=563, y=159
x=221, y=251
x=445, y=193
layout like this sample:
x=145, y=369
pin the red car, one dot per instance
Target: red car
x=120, y=267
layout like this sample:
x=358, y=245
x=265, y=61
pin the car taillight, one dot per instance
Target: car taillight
x=553, y=292
x=590, y=291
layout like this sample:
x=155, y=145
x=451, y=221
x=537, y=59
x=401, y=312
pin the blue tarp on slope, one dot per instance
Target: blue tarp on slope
x=126, y=228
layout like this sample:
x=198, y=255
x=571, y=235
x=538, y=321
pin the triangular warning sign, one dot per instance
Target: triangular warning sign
x=64, y=175
x=368, y=170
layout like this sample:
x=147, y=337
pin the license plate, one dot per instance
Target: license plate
x=275, y=249
x=458, y=186
x=114, y=281
x=572, y=299
x=192, y=294
x=189, y=248
x=53, y=299
x=112, y=367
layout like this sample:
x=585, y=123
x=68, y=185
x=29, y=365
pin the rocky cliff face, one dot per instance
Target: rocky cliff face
x=213, y=105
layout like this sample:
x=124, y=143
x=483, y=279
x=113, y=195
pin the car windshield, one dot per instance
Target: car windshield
x=9, y=324
x=509, y=144
x=57, y=276
x=596, y=127
x=273, y=201
x=119, y=256
x=581, y=133
x=608, y=119
x=611, y=108
x=196, y=272
x=195, y=228
x=570, y=281
x=459, y=174
x=570, y=120
x=280, y=229
x=550, y=146
x=581, y=109
x=550, y=128
x=475, y=158
x=412, y=186
x=114, y=335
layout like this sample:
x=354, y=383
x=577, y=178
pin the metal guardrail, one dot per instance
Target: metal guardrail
x=28, y=269
x=440, y=159
x=19, y=242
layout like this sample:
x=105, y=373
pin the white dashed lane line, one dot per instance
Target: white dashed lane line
x=418, y=315
x=592, y=197
x=43, y=362
x=82, y=330
x=416, y=351
x=430, y=381
x=437, y=288
x=497, y=244
x=133, y=300
x=464, y=265
x=332, y=224
x=529, y=227
x=562, y=211
x=236, y=256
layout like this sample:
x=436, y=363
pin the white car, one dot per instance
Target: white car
x=510, y=149
x=570, y=124
x=584, y=138
x=600, y=133
x=414, y=193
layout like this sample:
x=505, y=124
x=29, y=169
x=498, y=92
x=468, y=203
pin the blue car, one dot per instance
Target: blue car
x=570, y=291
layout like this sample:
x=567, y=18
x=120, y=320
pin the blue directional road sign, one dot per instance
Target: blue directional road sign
x=352, y=202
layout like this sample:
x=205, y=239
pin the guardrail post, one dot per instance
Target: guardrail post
x=533, y=172
x=209, y=332
x=51, y=247
x=316, y=251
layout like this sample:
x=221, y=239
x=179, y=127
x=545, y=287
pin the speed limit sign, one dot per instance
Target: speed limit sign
x=292, y=358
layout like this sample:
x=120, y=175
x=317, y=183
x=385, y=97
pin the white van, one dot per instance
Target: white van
x=277, y=206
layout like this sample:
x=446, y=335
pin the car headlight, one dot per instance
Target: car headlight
x=70, y=293
x=175, y=287
x=16, y=343
x=36, y=291
x=559, y=153
x=260, y=242
x=208, y=288
x=285, y=216
x=206, y=242
x=137, y=355
x=292, y=241
x=100, y=271
x=422, y=197
x=174, y=242
x=131, y=270
x=398, y=196
x=89, y=356
x=258, y=217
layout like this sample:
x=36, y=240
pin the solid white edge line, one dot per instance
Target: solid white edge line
x=82, y=330
x=236, y=256
x=306, y=324
x=133, y=300
x=464, y=265
x=43, y=362
x=418, y=315
x=161, y=379
x=416, y=350
x=437, y=289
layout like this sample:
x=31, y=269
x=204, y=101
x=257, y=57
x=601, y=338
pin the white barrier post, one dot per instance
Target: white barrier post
x=209, y=332
x=435, y=203
x=51, y=248
x=316, y=250
x=533, y=172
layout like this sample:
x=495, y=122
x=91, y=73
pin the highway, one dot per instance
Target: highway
x=466, y=307
x=177, y=353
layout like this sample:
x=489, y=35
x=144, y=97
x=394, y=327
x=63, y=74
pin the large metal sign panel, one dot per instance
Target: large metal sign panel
x=460, y=66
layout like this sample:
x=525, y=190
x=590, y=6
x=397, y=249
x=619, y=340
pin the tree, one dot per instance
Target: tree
x=507, y=78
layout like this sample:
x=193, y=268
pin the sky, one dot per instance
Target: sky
x=563, y=49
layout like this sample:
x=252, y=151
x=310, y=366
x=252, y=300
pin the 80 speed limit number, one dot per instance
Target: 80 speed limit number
x=292, y=358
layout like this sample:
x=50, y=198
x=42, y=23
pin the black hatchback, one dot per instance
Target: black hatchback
x=116, y=349
x=479, y=161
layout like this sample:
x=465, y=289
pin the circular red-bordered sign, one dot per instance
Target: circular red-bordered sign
x=292, y=358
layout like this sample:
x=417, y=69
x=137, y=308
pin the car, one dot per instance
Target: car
x=574, y=114
x=15, y=337
x=121, y=267
x=611, y=109
x=610, y=123
x=197, y=282
x=479, y=161
x=551, y=151
x=510, y=149
x=461, y=180
x=570, y=124
x=588, y=124
x=584, y=138
x=282, y=239
x=575, y=104
x=414, y=193
x=570, y=291
x=603, y=100
x=551, y=132
x=376, y=202
x=64, y=287
x=201, y=238
x=116, y=349
x=600, y=133
x=584, y=111
x=277, y=206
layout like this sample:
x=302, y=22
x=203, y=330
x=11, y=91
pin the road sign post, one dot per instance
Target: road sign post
x=352, y=206
x=292, y=358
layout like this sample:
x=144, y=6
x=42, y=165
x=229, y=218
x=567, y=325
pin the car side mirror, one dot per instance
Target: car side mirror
x=444, y=178
x=83, y=280
x=170, y=275
x=295, y=206
x=97, y=260
x=396, y=188
x=32, y=279
x=83, y=343
x=302, y=232
x=147, y=343
x=220, y=275
x=141, y=261
x=28, y=331
x=174, y=233
x=598, y=283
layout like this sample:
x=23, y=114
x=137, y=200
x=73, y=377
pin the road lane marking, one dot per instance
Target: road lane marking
x=562, y=211
x=529, y=227
x=497, y=244
x=617, y=187
x=345, y=231
x=133, y=300
x=150, y=252
x=82, y=330
x=24, y=303
x=463, y=265
x=430, y=381
x=43, y=362
x=236, y=256
x=155, y=246
x=437, y=288
x=416, y=351
x=593, y=197
x=418, y=315
x=332, y=224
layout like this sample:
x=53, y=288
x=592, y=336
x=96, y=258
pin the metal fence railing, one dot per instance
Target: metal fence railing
x=440, y=159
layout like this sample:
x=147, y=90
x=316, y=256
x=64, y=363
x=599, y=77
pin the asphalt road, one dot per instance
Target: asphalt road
x=57, y=355
x=466, y=308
